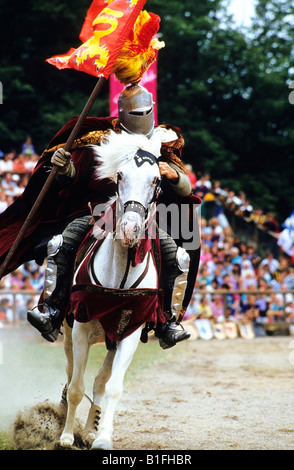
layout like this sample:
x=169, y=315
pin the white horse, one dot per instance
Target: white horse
x=137, y=174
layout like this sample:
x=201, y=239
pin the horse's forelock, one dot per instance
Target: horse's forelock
x=116, y=150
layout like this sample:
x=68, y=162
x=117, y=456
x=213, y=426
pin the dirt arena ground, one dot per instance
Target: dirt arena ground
x=214, y=395
x=232, y=394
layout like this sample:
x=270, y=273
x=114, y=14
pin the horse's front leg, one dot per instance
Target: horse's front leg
x=68, y=353
x=76, y=387
x=90, y=432
x=114, y=388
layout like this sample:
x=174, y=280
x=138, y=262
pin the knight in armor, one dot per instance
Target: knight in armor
x=135, y=115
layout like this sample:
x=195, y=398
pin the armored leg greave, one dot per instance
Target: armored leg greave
x=53, y=247
x=59, y=271
x=175, y=268
x=60, y=265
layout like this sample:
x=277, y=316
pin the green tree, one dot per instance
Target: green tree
x=37, y=98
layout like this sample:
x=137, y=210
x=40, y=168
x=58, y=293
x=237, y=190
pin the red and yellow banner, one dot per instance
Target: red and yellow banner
x=106, y=28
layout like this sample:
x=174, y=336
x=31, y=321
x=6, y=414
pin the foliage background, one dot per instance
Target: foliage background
x=226, y=88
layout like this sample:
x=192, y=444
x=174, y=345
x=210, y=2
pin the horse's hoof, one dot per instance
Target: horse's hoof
x=100, y=444
x=89, y=438
x=66, y=440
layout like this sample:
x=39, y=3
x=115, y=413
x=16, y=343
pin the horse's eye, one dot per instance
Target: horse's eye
x=119, y=176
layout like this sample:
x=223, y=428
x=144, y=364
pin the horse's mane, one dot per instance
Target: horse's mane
x=115, y=150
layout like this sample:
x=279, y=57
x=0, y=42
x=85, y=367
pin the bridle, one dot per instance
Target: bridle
x=141, y=157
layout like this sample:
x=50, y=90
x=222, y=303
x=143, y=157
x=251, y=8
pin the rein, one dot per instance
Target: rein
x=140, y=278
x=122, y=284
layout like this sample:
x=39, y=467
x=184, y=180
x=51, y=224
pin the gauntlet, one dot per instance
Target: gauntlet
x=63, y=160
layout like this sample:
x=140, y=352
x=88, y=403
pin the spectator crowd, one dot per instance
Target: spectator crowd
x=234, y=281
x=227, y=264
x=15, y=170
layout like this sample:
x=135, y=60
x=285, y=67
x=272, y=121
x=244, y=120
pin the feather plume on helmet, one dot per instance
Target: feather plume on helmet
x=140, y=50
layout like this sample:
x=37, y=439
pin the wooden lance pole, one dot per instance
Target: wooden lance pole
x=35, y=208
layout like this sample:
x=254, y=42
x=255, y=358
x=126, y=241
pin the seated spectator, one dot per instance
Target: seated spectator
x=232, y=201
x=217, y=308
x=248, y=280
x=249, y=310
x=246, y=268
x=215, y=230
x=218, y=275
x=262, y=305
x=206, y=254
x=200, y=190
x=252, y=256
x=266, y=274
x=276, y=310
x=16, y=279
x=235, y=276
x=27, y=147
x=272, y=263
x=205, y=233
x=191, y=175
x=257, y=216
x=6, y=163
x=27, y=285
x=271, y=224
x=245, y=209
x=204, y=310
x=37, y=280
x=289, y=279
x=211, y=265
x=204, y=181
x=8, y=184
x=31, y=162
x=236, y=258
x=284, y=298
x=220, y=192
x=19, y=164
x=6, y=311
x=28, y=304
x=204, y=278
x=20, y=187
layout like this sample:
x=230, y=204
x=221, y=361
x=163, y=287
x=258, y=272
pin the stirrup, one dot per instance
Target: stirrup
x=48, y=324
x=174, y=333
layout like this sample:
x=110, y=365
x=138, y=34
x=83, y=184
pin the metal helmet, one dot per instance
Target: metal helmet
x=135, y=110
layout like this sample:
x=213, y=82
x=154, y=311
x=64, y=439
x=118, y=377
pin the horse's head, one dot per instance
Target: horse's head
x=132, y=161
x=138, y=182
